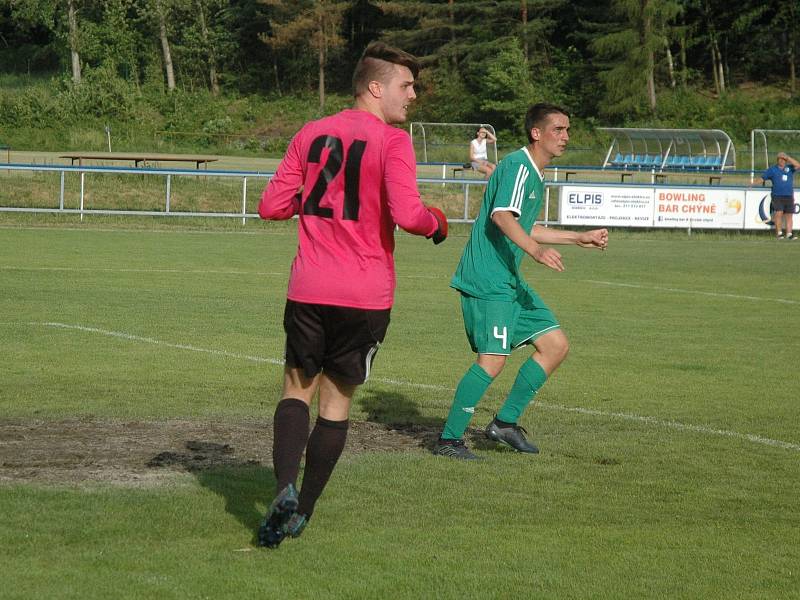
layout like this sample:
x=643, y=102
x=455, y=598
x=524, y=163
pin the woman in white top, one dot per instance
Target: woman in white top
x=478, y=156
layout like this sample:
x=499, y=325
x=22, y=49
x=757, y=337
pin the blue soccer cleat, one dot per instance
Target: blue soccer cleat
x=283, y=507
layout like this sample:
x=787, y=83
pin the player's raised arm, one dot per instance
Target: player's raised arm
x=791, y=161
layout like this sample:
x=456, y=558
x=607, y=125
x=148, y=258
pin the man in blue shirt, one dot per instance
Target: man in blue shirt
x=782, y=176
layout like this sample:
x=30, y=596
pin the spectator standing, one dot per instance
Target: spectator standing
x=781, y=174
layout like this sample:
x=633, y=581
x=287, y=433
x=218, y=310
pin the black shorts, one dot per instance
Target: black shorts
x=338, y=340
x=784, y=204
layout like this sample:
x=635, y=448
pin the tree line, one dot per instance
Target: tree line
x=607, y=59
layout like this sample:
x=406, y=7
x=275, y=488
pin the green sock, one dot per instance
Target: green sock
x=530, y=378
x=468, y=393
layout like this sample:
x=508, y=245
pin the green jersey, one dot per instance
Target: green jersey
x=489, y=267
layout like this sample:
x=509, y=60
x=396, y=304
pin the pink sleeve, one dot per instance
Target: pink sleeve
x=400, y=172
x=279, y=200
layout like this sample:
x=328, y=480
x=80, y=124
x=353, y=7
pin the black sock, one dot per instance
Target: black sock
x=324, y=448
x=290, y=435
x=503, y=424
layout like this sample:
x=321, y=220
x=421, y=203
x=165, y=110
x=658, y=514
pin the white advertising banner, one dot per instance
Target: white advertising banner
x=606, y=206
x=663, y=206
x=707, y=208
x=757, y=209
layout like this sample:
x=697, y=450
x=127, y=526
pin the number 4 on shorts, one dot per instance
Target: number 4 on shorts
x=502, y=336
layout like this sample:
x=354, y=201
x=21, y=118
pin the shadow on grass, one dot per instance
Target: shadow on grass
x=399, y=413
x=246, y=485
x=247, y=490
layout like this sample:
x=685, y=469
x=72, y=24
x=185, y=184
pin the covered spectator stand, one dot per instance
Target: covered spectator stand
x=669, y=149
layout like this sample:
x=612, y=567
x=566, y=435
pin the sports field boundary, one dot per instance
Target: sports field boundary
x=644, y=419
x=622, y=284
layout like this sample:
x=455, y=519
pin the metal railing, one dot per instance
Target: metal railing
x=430, y=187
x=168, y=175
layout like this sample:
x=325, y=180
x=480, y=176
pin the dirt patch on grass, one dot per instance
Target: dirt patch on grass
x=141, y=452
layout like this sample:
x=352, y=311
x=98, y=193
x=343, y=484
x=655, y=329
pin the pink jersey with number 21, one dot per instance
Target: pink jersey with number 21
x=358, y=179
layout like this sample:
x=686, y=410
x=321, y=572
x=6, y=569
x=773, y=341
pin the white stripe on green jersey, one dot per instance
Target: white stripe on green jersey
x=519, y=190
x=489, y=266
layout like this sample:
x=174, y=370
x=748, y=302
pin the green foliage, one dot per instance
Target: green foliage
x=42, y=114
x=737, y=113
x=499, y=79
x=26, y=107
x=103, y=93
x=632, y=42
x=444, y=97
x=607, y=60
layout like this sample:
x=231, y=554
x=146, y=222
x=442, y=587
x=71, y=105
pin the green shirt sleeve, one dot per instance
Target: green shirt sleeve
x=510, y=187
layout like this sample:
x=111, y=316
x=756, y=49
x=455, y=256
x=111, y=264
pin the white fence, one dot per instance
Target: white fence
x=168, y=174
x=591, y=204
x=7, y=204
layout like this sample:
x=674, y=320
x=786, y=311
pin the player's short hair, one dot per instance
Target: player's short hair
x=537, y=116
x=376, y=63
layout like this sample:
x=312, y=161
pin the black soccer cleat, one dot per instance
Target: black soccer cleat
x=454, y=449
x=512, y=436
x=272, y=530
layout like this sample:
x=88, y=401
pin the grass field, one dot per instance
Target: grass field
x=670, y=464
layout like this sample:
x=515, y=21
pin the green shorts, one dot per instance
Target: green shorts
x=499, y=326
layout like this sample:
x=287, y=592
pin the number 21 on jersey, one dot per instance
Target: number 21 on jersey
x=331, y=168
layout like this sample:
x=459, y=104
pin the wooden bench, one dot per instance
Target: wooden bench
x=138, y=158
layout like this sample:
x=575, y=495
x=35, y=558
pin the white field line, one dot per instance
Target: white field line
x=697, y=292
x=175, y=271
x=146, y=340
x=756, y=439
x=401, y=276
x=86, y=230
x=146, y=270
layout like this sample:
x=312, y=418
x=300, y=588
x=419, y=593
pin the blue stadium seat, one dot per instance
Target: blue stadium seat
x=678, y=161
